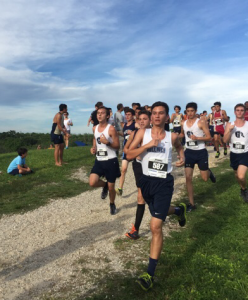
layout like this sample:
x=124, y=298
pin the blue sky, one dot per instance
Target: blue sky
x=80, y=52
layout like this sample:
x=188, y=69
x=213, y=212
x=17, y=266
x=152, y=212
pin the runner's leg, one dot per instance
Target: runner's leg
x=189, y=184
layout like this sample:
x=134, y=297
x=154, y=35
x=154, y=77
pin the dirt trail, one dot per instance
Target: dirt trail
x=45, y=249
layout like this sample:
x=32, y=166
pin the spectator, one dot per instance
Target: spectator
x=18, y=165
x=68, y=123
x=93, y=117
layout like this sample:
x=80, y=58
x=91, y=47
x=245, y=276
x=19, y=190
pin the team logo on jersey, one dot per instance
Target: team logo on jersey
x=98, y=141
x=156, y=149
x=239, y=134
x=189, y=133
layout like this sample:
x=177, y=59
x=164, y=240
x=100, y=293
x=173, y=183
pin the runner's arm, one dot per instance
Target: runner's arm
x=225, y=118
x=115, y=139
x=228, y=132
x=58, y=119
x=128, y=143
x=181, y=135
x=93, y=148
x=133, y=151
x=179, y=148
x=172, y=118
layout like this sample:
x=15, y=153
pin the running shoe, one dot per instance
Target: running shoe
x=145, y=281
x=119, y=191
x=225, y=151
x=104, y=193
x=113, y=209
x=190, y=207
x=217, y=155
x=133, y=234
x=211, y=176
x=182, y=219
x=244, y=194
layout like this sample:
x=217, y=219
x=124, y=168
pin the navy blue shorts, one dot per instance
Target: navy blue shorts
x=57, y=138
x=237, y=159
x=199, y=157
x=107, y=168
x=211, y=130
x=14, y=172
x=137, y=170
x=157, y=193
x=177, y=129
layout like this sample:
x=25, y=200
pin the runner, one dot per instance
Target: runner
x=157, y=183
x=127, y=130
x=68, y=123
x=105, y=144
x=56, y=135
x=211, y=121
x=176, y=119
x=237, y=133
x=246, y=110
x=196, y=133
x=220, y=117
x=144, y=122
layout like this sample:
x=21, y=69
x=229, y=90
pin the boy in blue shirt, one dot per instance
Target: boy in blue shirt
x=18, y=165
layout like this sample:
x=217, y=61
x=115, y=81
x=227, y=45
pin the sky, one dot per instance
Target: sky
x=80, y=52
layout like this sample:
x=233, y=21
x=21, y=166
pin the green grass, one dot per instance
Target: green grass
x=20, y=194
x=206, y=260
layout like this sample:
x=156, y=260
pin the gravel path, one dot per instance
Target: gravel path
x=42, y=250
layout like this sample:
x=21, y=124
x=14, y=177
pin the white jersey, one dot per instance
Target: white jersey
x=104, y=152
x=157, y=161
x=193, y=130
x=67, y=127
x=239, y=139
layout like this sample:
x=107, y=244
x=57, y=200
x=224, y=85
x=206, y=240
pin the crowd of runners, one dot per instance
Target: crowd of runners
x=143, y=137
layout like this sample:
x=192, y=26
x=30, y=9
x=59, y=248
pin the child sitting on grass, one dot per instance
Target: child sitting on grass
x=18, y=165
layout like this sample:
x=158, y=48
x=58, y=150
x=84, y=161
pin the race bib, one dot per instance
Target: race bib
x=102, y=154
x=192, y=144
x=176, y=123
x=157, y=168
x=240, y=147
x=219, y=122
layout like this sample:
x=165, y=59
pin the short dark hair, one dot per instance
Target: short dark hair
x=62, y=107
x=138, y=105
x=145, y=112
x=119, y=106
x=138, y=108
x=177, y=106
x=160, y=103
x=22, y=151
x=126, y=108
x=217, y=103
x=204, y=111
x=239, y=105
x=212, y=106
x=67, y=113
x=192, y=105
x=99, y=104
x=130, y=110
x=246, y=102
x=107, y=110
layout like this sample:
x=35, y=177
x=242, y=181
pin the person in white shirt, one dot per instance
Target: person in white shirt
x=68, y=123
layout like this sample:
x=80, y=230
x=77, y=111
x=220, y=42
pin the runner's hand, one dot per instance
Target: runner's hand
x=93, y=150
x=153, y=143
x=103, y=139
x=193, y=137
x=180, y=162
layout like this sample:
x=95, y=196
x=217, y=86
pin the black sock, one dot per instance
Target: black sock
x=177, y=211
x=139, y=215
x=152, y=266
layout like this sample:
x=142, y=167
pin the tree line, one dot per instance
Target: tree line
x=11, y=141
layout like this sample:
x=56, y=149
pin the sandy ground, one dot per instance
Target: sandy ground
x=41, y=250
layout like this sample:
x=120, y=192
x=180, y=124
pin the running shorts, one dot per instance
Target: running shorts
x=157, y=192
x=237, y=159
x=107, y=168
x=137, y=170
x=199, y=157
x=57, y=138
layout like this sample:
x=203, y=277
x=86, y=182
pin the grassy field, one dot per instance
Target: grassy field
x=206, y=260
x=20, y=194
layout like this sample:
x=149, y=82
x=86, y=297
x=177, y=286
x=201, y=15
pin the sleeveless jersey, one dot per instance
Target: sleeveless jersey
x=157, y=161
x=125, y=129
x=177, y=121
x=104, y=152
x=195, y=130
x=55, y=128
x=246, y=115
x=218, y=122
x=239, y=139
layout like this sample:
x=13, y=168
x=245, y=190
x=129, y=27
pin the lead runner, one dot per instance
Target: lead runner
x=157, y=183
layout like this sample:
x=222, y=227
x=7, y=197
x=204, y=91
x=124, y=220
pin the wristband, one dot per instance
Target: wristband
x=108, y=144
